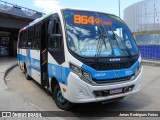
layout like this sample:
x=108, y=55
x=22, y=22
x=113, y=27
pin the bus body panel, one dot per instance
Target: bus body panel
x=30, y=58
x=34, y=65
x=21, y=58
x=81, y=92
x=111, y=74
x=77, y=90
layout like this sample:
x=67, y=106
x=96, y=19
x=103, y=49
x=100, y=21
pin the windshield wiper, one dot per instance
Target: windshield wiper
x=107, y=35
x=101, y=40
x=126, y=48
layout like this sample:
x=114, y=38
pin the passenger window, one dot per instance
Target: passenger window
x=55, y=38
x=29, y=38
x=33, y=37
x=24, y=43
x=37, y=36
x=20, y=40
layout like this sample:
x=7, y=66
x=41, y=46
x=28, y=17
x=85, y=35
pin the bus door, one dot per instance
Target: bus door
x=55, y=49
x=44, y=55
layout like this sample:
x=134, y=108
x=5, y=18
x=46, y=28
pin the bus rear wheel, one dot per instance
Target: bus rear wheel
x=60, y=101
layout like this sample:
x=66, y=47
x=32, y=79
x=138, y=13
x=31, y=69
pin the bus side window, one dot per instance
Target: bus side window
x=55, y=38
x=20, y=40
x=24, y=43
x=29, y=38
x=25, y=39
x=33, y=37
x=37, y=37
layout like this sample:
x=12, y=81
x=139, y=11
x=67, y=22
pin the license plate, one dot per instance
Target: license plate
x=115, y=91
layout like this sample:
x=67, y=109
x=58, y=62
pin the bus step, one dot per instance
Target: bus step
x=44, y=83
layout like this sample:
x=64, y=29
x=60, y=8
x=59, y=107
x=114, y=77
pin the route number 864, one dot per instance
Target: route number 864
x=84, y=19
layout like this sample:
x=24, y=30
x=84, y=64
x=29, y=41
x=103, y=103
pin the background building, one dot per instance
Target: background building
x=12, y=19
x=143, y=18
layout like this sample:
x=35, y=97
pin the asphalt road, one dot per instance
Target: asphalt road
x=148, y=99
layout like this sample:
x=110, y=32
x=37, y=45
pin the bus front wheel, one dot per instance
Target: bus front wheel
x=60, y=101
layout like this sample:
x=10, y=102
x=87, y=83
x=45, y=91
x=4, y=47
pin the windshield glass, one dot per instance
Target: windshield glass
x=93, y=34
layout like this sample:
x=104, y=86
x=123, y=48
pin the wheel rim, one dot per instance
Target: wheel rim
x=60, y=97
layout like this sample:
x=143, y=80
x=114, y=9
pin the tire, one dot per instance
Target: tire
x=23, y=68
x=60, y=101
x=27, y=76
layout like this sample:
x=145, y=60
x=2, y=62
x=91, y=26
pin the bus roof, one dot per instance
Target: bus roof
x=58, y=11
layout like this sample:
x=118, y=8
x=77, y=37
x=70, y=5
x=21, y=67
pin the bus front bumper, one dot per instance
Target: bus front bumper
x=79, y=91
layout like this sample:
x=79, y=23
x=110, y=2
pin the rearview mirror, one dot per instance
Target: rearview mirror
x=55, y=41
x=55, y=35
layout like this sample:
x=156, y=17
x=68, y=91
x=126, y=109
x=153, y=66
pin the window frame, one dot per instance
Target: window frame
x=52, y=31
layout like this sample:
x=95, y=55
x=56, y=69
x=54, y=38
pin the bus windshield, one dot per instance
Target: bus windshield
x=91, y=34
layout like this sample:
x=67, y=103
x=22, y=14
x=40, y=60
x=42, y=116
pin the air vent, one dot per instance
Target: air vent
x=111, y=66
x=113, y=80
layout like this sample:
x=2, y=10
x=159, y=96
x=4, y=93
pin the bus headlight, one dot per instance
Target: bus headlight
x=81, y=73
x=75, y=69
x=138, y=70
x=85, y=74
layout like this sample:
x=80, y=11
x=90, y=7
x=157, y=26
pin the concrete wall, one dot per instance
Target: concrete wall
x=143, y=18
x=12, y=23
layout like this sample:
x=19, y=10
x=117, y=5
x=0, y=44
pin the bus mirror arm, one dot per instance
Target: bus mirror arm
x=51, y=25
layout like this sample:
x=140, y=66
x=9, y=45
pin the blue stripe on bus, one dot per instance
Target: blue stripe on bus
x=35, y=64
x=53, y=70
x=28, y=62
x=21, y=57
x=110, y=74
x=31, y=62
x=59, y=72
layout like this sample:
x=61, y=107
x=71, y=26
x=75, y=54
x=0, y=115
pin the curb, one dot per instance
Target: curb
x=151, y=63
x=8, y=70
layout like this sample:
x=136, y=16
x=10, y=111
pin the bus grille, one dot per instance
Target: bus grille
x=111, y=66
x=113, y=80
